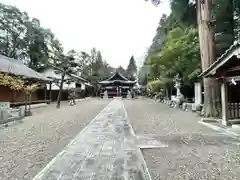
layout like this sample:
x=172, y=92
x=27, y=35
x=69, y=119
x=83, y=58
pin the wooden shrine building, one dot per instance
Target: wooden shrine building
x=117, y=85
x=227, y=70
x=16, y=68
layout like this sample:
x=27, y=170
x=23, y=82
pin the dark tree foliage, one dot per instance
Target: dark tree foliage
x=131, y=69
x=179, y=26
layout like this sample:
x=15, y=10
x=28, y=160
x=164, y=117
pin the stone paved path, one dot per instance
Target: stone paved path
x=194, y=152
x=28, y=146
x=106, y=149
x=175, y=146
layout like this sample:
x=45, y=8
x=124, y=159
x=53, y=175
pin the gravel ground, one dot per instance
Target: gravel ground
x=194, y=151
x=27, y=146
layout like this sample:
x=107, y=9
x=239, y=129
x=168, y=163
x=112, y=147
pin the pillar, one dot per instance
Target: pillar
x=178, y=86
x=45, y=93
x=83, y=90
x=50, y=92
x=224, y=102
x=198, y=93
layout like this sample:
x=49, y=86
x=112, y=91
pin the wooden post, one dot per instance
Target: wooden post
x=25, y=104
x=14, y=96
x=224, y=99
x=59, y=98
x=30, y=102
x=50, y=92
x=45, y=93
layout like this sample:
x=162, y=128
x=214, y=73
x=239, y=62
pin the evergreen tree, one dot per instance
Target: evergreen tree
x=121, y=70
x=98, y=63
x=236, y=15
x=65, y=64
x=132, y=69
x=224, y=29
x=95, y=68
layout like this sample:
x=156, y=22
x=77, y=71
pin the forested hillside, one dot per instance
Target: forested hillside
x=175, y=47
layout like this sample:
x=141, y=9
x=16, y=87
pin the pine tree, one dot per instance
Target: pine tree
x=236, y=15
x=121, y=70
x=64, y=65
x=132, y=69
x=98, y=62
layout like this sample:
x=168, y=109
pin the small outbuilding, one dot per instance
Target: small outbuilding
x=16, y=68
x=227, y=70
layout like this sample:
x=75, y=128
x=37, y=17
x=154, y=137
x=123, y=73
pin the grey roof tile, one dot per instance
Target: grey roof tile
x=15, y=67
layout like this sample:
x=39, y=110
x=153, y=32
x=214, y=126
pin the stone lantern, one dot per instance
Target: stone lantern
x=179, y=96
x=177, y=81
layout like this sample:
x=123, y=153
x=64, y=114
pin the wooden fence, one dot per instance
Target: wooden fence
x=234, y=110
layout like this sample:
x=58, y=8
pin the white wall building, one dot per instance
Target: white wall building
x=70, y=81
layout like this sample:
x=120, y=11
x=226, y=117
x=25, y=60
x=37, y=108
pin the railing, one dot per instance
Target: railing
x=233, y=110
x=189, y=100
x=112, y=94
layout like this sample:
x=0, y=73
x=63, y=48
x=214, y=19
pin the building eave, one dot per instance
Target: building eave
x=17, y=68
x=234, y=50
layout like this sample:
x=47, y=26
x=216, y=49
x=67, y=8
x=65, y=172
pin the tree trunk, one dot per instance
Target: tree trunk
x=29, y=105
x=50, y=92
x=60, y=90
x=208, y=56
x=25, y=104
x=167, y=93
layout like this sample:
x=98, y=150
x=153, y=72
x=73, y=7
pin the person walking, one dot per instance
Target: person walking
x=71, y=97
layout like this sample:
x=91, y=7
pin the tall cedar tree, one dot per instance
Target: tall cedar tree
x=132, y=69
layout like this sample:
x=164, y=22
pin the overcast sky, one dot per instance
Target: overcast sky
x=119, y=28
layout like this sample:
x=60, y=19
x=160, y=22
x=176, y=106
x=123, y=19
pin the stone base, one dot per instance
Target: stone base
x=196, y=107
x=187, y=106
x=211, y=120
x=105, y=97
x=117, y=97
x=226, y=123
x=184, y=106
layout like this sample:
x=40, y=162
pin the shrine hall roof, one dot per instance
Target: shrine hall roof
x=117, y=77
